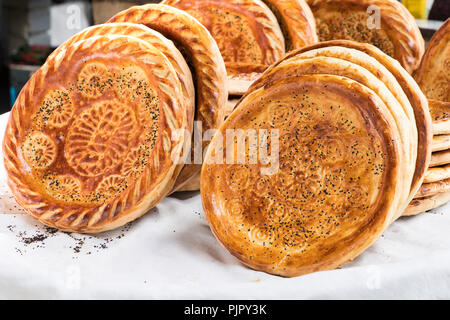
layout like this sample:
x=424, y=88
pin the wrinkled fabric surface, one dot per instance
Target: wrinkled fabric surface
x=170, y=253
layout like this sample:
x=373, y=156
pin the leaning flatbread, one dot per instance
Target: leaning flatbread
x=94, y=149
x=201, y=51
x=333, y=189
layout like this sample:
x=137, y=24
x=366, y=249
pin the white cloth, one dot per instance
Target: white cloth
x=170, y=253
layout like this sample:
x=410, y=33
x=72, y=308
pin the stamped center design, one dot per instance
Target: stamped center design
x=131, y=82
x=56, y=110
x=232, y=30
x=39, y=150
x=98, y=140
x=94, y=79
x=64, y=187
x=319, y=184
x=352, y=25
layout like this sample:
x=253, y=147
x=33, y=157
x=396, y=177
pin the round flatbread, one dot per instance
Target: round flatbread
x=158, y=41
x=321, y=61
x=434, y=188
x=437, y=174
x=296, y=21
x=335, y=185
x=202, y=53
x=440, y=158
x=417, y=99
x=95, y=149
x=433, y=75
x=387, y=24
x=440, y=115
x=302, y=65
x=246, y=31
x=424, y=204
x=441, y=143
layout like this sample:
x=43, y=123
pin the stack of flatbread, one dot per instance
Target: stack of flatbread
x=102, y=132
x=353, y=135
x=327, y=145
x=107, y=126
x=433, y=76
x=252, y=34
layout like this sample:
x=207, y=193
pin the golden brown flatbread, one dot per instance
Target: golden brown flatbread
x=203, y=55
x=417, y=99
x=93, y=149
x=395, y=31
x=155, y=39
x=434, y=188
x=433, y=75
x=336, y=186
x=315, y=64
x=246, y=31
x=296, y=21
x=424, y=204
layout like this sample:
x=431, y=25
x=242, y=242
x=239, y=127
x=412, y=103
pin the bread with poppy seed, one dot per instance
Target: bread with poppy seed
x=158, y=41
x=387, y=24
x=246, y=31
x=93, y=149
x=337, y=187
x=413, y=93
x=203, y=56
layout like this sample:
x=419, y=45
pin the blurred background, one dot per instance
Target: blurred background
x=30, y=30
